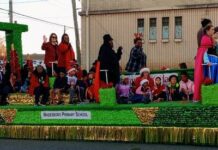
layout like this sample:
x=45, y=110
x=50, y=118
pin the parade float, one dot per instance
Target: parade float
x=178, y=122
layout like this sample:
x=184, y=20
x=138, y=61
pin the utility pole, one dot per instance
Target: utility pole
x=76, y=31
x=87, y=36
x=11, y=11
x=64, y=29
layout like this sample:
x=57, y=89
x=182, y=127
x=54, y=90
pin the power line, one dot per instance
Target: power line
x=21, y=2
x=34, y=18
x=45, y=17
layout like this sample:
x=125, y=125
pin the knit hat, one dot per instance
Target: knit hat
x=72, y=69
x=144, y=70
x=143, y=82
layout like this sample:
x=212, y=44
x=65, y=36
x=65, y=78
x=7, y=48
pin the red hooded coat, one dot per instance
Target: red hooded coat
x=34, y=82
x=65, y=56
x=50, y=53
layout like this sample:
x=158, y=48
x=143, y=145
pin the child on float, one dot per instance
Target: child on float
x=60, y=87
x=186, y=87
x=25, y=87
x=173, y=88
x=159, y=90
x=143, y=93
x=72, y=81
x=79, y=72
x=123, y=90
x=82, y=85
x=89, y=95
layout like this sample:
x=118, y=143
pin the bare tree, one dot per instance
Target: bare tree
x=2, y=48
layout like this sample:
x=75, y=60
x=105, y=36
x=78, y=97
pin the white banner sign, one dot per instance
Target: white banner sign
x=66, y=115
x=164, y=77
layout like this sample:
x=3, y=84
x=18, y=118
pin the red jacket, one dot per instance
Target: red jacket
x=65, y=55
x=51, y=52
x=34, y=82
x=158, y=89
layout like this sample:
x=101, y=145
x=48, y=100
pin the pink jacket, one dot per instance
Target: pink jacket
x=189, y=86
x=140, y=92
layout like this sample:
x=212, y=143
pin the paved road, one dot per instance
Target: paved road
x=71, y=145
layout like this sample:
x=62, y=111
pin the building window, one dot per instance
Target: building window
x=140, y=26
x=178, y=27
x=165, y=28
x=153, y=29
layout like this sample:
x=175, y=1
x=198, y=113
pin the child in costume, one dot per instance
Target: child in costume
x=143, y=93
x=72, y=81
x=123, y=91
x=159, y=90
x=60, y=87
x=186, y=87
x=173, y=88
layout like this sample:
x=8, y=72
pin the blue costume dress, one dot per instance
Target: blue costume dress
x=211, y=56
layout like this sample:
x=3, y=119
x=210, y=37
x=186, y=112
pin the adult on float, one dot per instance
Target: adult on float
x=212, y=56
x=109, y=60
x=206, y=42
x=144, y=74
x=200, y=34
x=137, y=59
x=51, y=52
x=66, y=55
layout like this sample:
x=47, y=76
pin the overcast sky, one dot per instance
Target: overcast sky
x=57, y=11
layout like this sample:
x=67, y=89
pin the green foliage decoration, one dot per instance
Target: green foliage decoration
x=210, y=94
x=107, y=97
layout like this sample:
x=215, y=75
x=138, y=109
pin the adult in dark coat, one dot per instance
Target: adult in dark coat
x=109, y=60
